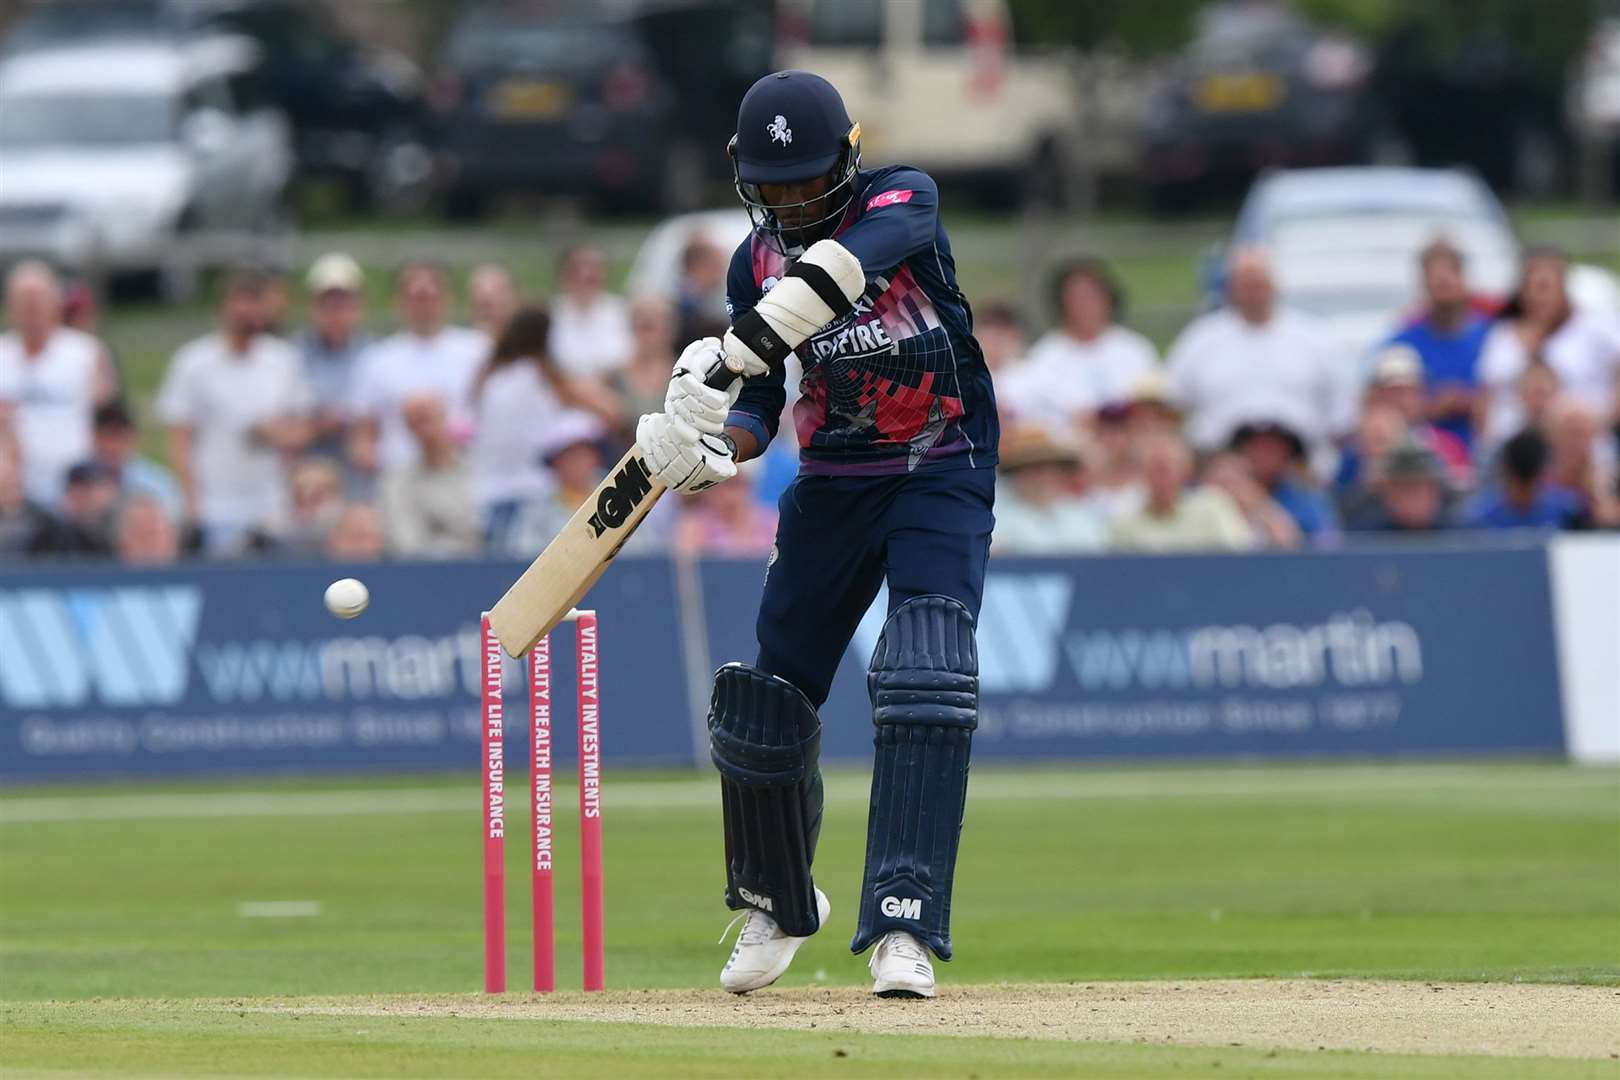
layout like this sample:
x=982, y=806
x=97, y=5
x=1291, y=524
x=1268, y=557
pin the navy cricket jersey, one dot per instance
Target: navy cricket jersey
x=899, y=384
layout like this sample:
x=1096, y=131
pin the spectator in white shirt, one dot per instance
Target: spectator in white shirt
x=51, y=377
x=237, y=408
x=1582, y=348
x=426, y=357
x=1088, y=361
x=493, y=297
x=1255, y=360
x=590, y=328
x=519, y=398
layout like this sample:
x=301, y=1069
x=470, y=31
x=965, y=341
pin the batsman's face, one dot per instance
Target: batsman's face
x=802, y=202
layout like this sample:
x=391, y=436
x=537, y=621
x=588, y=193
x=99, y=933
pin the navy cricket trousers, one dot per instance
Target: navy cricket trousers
x=840, y=537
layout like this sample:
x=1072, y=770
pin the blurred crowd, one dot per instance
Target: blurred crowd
x=330, y=440
x=1256, y=430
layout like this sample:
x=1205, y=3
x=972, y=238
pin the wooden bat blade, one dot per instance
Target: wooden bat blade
x=572, y=562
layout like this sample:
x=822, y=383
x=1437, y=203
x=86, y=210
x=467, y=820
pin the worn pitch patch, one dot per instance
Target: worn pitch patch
x=1510, y=1019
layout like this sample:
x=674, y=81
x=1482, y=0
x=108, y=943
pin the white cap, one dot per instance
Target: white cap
x=1398, y=365
x=334, y=271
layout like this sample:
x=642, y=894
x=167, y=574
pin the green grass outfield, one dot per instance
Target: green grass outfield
x=1455, y=873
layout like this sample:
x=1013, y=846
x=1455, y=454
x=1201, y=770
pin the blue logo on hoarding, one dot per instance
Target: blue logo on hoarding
x=125, y=646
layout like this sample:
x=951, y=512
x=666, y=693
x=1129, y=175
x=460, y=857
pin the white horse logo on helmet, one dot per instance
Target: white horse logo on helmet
x=779, y=131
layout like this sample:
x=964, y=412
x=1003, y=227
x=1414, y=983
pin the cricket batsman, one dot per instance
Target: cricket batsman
x=849, y=269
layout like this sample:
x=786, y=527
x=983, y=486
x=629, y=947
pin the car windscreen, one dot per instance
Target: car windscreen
x=488, y=41
x=39, y=120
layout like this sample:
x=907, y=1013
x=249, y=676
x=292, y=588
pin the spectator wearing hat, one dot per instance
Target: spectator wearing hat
x=570, y=449
x=1271, y=524
x=1174, y=517
x=427, y=503
x=590, y=327
x=1410, y=494
x=1274, y=456
x=493, y=297
x=317, y=502
x=1087, y=361
x=114, y=446
x=237, y=409
x=1396, y=386
x=1255, y=358
x=22, y=521
x=1522, y=496
x=1113, y=466
x=51, y=379
x=1039, y=510
x=83, y=524
x=332, y=345
x=427, y=356
x=1447, y=337
x=146, y=534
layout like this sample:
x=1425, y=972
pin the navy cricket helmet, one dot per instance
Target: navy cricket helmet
x=792, y=127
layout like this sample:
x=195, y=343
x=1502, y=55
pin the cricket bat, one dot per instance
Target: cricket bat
x=821, y=286
x=565, y=571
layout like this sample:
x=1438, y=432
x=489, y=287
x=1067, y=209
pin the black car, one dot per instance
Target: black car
x=629, y=109
x=357, y=112
x=1260, y=87
x=1257, y=88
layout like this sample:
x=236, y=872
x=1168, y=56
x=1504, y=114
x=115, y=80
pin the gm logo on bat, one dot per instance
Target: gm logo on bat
x=613, y=506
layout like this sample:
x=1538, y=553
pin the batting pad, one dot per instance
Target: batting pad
x=765, y=738
x=924, y=684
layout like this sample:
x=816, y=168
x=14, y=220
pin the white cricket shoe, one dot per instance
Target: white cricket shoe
x=901, y=967
x=763, y=952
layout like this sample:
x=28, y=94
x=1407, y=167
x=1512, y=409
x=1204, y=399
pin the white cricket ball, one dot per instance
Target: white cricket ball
x=346, y=598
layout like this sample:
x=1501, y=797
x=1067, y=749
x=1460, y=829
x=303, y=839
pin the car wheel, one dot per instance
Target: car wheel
x=466, y=204
x=399, y=178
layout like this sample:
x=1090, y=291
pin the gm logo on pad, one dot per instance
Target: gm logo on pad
x=63, y=648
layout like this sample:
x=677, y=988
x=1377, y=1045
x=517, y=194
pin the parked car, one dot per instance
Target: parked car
x=1260, y=87
x=357, y=111
x=1344, y=244
x=627, y=106
x=937, y=84
x=136, y=161
x=1257, y=88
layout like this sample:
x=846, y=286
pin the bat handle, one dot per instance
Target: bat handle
x=721, y=378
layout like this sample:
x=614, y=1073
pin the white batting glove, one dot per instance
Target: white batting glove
x=701, y=409
x=687, y=464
